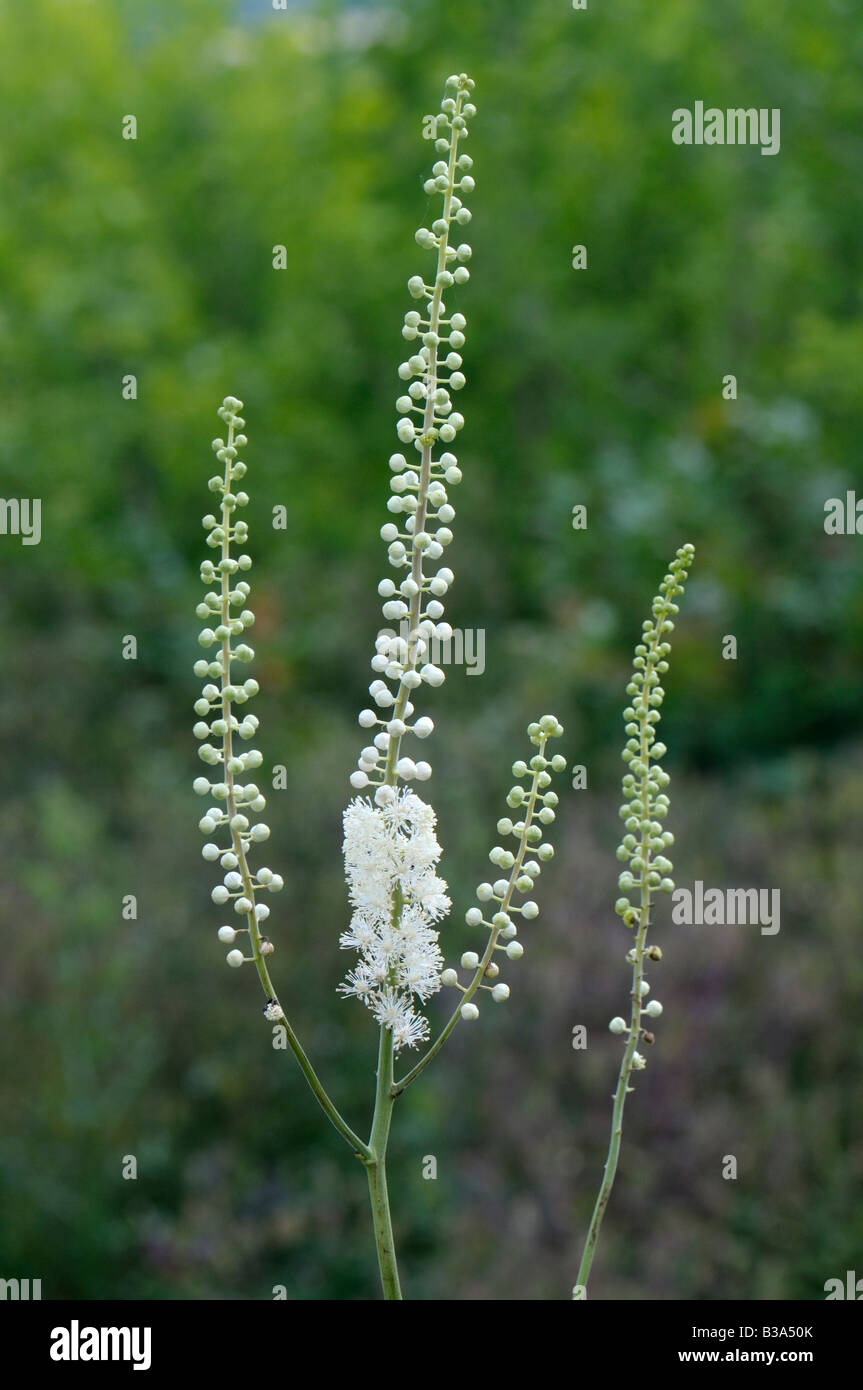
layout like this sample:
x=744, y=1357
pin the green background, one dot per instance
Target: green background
x=600, y=387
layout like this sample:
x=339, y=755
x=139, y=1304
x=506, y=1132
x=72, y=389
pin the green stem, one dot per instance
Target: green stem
x=376, y=1168
x=623, y=1089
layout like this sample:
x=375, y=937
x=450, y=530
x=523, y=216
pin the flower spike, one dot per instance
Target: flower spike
x=535, y=804
x=226, y=617
x=644, y=846
x=420, y=505
x=395, y=905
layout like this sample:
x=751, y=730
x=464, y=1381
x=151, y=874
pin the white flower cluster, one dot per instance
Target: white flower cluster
x=218, y=725
x=391, y=854
x=420, y=502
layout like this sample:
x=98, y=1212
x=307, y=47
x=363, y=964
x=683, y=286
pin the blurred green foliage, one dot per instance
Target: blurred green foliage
x=601, y=387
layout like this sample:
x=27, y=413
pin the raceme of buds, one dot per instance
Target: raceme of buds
x=223, y=721
x=391, y=854
x=420, y=506
x=644, y=847
x=534, y=805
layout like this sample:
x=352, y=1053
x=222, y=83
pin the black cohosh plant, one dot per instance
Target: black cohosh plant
x=391, y=852
x=390, y=845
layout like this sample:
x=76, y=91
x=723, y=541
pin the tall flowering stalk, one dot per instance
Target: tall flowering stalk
x=391, y=849
x=392, y=855
x=644, y=846
x=226, y=617
x=419, y=498
x=414, y=599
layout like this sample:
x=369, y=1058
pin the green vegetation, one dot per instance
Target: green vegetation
x=599, y=387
